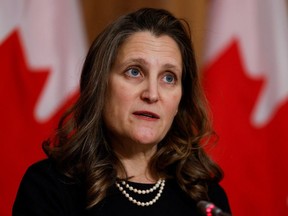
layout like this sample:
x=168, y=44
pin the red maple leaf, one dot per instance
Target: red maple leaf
x=254, y=159
x=21, y=134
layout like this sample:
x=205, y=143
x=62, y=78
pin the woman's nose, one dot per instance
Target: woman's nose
x=150, y=92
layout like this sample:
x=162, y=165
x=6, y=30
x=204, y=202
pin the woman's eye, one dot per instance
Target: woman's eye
x=169, y=78
x=133, y=72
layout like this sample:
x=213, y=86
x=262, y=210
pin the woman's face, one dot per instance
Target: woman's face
x=144, y=89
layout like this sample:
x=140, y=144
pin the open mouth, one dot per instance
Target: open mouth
x=146, y=114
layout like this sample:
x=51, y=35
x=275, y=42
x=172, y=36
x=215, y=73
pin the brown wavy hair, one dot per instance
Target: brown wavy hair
x=80, y=144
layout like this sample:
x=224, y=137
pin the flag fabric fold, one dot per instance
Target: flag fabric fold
x=246, y=81
x=42, y=48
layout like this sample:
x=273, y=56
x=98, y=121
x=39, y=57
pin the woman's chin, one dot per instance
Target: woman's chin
x=147, y=139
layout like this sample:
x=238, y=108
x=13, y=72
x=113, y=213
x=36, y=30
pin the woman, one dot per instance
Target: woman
x=132, y=143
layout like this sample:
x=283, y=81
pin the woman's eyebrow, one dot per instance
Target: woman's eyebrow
x=172, y=67
x=136, y=60
x=142, y=62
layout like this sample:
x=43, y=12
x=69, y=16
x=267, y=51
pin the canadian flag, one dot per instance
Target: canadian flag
x=42, y=48
x=246, y=79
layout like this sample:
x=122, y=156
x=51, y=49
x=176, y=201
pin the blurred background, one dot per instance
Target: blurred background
x=242, y=52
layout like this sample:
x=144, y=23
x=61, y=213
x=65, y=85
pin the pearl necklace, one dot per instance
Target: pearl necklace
x=160, y=183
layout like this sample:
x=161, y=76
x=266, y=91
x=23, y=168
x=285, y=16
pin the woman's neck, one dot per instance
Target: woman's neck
x=135, y=159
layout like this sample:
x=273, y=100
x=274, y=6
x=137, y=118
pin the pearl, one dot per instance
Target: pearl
x=160, y=183
x=156, y=186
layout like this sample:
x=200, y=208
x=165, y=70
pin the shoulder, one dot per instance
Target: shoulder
x=43, y=167
x=44, y=172
x=46, y=191
x=46, y=168
x=218, y=196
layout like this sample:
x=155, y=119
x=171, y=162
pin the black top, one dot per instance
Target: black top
x=44, y=191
